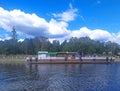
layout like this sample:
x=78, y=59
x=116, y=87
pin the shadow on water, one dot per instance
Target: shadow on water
x=60, y=77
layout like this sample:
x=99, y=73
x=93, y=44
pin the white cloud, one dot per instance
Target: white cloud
x=68, y=15
x=100, y=34
x=58, y=28
x=96, y=34
x=20, y=40
x=82, y=32
x=33, y=25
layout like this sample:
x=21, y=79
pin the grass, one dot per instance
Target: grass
x=13, y=59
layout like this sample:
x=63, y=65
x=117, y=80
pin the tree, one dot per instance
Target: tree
x=83, y=45
x=55, y=46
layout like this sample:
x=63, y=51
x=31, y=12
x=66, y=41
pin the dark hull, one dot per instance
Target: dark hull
x=85, y=61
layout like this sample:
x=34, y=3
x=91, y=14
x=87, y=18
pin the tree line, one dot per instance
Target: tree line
x=83, y=45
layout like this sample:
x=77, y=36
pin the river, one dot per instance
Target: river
x=60, y=77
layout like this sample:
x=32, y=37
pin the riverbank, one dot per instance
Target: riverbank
x=117, y=59
x=12, y=59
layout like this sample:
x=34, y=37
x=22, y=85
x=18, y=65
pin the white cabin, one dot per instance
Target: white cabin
x=42, y=55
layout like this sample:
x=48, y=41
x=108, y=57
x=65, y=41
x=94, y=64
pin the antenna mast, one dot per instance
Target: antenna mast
x=14, y=36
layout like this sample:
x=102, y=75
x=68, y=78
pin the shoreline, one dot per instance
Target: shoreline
x=21, y=59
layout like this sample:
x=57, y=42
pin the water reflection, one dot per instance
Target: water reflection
x=60, y=77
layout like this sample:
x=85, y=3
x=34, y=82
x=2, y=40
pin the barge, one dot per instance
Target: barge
x=45, y=57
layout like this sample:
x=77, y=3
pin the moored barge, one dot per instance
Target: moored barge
x=45, y=57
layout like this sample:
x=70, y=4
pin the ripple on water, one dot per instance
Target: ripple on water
x=60, y=77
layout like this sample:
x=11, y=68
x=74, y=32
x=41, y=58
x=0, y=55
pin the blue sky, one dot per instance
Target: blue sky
x=61, y=19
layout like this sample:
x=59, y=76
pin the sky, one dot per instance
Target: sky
x=61, y=19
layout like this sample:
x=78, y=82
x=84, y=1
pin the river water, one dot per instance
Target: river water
x=60, y=77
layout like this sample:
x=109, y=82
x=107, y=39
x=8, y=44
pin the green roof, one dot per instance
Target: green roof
x=52, y=53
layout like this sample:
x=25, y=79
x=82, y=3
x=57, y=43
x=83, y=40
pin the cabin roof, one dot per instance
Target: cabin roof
x=42, y=52
x=54, y=53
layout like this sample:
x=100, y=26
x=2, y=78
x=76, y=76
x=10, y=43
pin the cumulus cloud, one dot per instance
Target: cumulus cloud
x=58, y=29
x=33, y=25
x=68, y=15
x=22, y=21
x=96, y=34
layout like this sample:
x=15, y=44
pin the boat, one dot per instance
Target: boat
x=45, y=57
